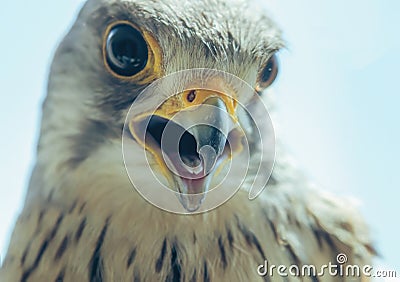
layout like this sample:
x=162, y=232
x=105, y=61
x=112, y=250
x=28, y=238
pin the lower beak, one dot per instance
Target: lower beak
x=189, y=142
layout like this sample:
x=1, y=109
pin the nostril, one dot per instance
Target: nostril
x=191, y=96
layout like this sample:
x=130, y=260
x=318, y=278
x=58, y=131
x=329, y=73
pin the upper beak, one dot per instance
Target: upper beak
x=189, y=137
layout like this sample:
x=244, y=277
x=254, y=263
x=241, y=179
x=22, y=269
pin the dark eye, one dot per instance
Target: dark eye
x=126, y=50
x=269, y=73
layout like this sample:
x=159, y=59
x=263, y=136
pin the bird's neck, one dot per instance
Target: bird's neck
x=100, y=188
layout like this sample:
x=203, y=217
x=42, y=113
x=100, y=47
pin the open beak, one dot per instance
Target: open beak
x=191, y=135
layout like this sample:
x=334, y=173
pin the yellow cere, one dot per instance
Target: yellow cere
x=195, y=97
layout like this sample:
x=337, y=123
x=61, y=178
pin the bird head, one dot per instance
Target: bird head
x=119, y=49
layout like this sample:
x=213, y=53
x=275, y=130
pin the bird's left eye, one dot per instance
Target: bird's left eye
x=126, y=50
x=268, y=74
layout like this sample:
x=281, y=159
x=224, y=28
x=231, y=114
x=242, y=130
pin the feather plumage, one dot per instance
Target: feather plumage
x=82, y=220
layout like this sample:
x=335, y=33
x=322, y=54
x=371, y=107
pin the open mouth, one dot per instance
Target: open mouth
x=191, y=147
x=181, y=155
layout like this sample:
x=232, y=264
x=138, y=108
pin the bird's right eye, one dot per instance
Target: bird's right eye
x=126, y=51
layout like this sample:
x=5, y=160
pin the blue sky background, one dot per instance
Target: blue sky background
x=337, y=94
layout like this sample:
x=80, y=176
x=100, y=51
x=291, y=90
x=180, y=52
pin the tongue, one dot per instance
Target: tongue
x=192, y=177
x=191, y=182
x=191, y=170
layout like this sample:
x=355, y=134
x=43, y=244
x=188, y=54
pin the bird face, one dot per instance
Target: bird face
x=191, y=125
x=190, y=136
